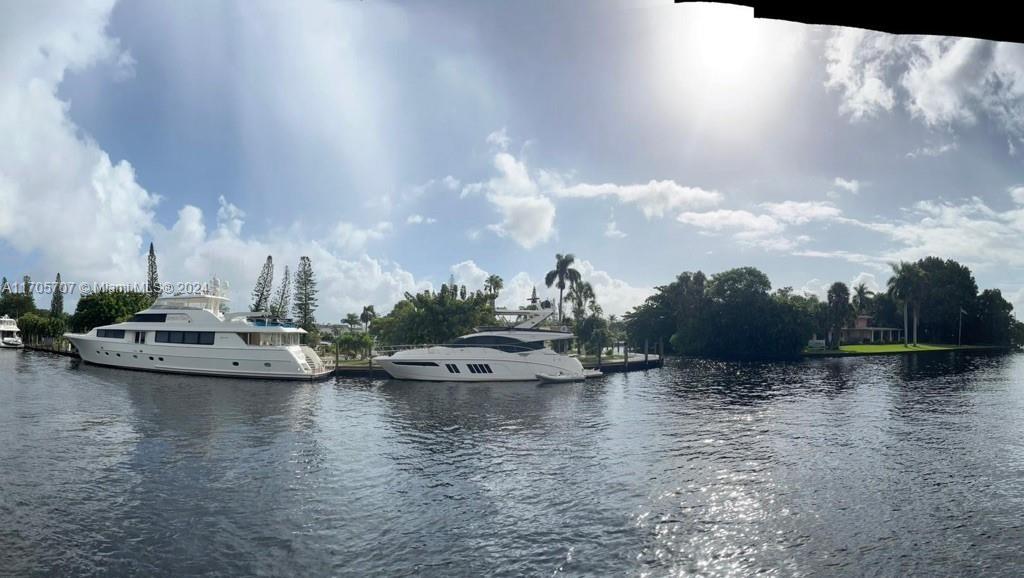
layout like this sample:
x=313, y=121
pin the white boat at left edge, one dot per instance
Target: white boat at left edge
x=10, y=336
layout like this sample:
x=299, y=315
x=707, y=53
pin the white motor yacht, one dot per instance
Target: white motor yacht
x=189, y=334
x=9, y=334
x=516, y=352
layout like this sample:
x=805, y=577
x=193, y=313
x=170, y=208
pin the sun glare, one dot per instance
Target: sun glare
x=718, y=64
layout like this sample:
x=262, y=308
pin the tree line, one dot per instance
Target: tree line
x=734, y=314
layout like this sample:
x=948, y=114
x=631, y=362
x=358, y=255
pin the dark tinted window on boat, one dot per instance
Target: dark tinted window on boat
x=499, y=342
x=110, y=333
x=186, y=337
x=149, y=317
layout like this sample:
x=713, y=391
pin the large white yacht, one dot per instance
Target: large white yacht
x=515, y=352
x=189, y=334
x=9, y=334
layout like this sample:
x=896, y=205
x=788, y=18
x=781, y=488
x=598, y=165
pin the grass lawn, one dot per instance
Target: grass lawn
x=893, y=348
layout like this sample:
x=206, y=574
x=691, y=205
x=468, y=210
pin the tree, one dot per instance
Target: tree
x=57, y=301
x=152, y=280
x=493, y=285
x=433, y=317
x=580, y=295
x=862, y=297
x=838, y=312
x=304, y=305
x=906, y=285
x=562, y=274
x=279, y=308
x=262, y=291
x=352, y=320
x=106, y=307
x=5, y=287
x=367, y=316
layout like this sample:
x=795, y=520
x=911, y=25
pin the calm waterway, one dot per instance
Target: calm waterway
x=881, y=465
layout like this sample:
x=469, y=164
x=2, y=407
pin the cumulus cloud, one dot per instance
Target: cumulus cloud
x=852, y=185
x=940, y=81
x=654, y=198
x=351, y=238
x=62, y=197
x=856, y=66
x=799, y=213
x=419, y=220
x=747, y=228
x=468, y=273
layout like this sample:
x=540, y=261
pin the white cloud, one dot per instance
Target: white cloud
x=943, y=81
x=62, y=197
x=748, y=229
x=468, y=273
x=351, y=238
x=499, y=139
x=868, y=279
x=799, y=213
x=1017, y=194
x=528, y=220
x=654, y=198
x=934, y=150
x=614, y=295
x=852, y=185
x=612, y=231
x=450, y=182
x=724, y=219
x=856, y=67
x=528, y=215
x=419, y=219
x=940, y=77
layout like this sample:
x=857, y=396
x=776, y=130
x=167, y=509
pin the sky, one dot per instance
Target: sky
x=397, y=144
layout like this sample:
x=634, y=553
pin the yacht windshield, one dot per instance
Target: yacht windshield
x=499, y=342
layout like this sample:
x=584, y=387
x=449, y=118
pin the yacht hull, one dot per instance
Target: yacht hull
x=475, y=365
x=263, y=363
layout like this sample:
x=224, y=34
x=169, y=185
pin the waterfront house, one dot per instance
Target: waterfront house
x=863, y=332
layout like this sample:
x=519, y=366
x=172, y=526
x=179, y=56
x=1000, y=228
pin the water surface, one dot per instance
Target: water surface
x=875, y=465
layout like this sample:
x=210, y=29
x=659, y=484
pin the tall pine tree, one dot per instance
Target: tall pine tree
x=261, y=292
x=57, y=302
x=5, y=287
x=279, y=308
x=304, y=305
x=152, y=280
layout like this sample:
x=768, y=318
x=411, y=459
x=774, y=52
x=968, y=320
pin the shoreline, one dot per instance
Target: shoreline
x=899, y=349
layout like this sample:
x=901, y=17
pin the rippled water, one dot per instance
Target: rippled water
x=884, y=465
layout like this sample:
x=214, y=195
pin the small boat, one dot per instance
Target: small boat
x=591, y=373
x=560, y=377
x=9, y=335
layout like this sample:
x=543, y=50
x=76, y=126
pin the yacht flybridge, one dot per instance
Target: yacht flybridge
x=9, y=334
x=517, y=351
x=189, y=334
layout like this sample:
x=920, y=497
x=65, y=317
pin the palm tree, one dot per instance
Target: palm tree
x=905, y=285
x=493, y=285
x=838, y=311
x=580, y=294
x=367, y=316
x=560, y=275
x=861, y=296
